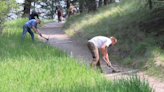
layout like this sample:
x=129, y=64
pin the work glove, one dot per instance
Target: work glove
x=109, y=64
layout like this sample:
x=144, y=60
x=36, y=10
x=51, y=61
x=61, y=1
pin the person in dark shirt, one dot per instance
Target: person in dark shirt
x=32, y=16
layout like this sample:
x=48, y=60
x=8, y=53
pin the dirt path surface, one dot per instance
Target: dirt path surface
x=59, y=39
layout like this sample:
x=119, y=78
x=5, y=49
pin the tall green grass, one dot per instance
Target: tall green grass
x=27, y=66
x=124, y=20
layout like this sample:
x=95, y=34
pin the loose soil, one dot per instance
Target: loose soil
x=59, y=39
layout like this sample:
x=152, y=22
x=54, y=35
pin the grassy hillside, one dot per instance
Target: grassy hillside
x=27, y=66
x=138, y=29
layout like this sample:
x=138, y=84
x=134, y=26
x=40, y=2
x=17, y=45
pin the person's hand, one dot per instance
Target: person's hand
x=40, y=34
x=107, y=62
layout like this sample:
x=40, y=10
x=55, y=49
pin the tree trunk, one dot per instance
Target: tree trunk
x=27, y=6
x=34, y=4
x=81, y=2
x=105, y=2
x=100, y=3
x=52, y=10
x=68, y=4
x=110, y=1
x=91, y=5
x=150, y=4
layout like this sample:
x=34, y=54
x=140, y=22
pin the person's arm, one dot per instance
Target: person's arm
x=37, y=16
x=105, y=55
x=104, y=52
x=36, y=30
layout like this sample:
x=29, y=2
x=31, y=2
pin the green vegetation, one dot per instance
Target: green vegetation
x=28, y=66
x=139, y=32
x=6, y=6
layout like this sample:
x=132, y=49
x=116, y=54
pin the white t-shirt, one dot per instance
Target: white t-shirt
x=98, y=41
x=75, y=9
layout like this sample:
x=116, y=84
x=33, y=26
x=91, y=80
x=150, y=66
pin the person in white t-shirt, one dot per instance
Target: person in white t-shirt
x=100, y=42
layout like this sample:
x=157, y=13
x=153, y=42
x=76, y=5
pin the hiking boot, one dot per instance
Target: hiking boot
x=115, y=71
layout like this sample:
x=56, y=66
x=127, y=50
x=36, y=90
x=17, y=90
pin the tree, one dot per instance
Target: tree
x=81, y=6
x=6, y=7
x=105, y=2
x=150, y=4
x=110, y=1
x=73, y=2
x=88, y=5
x=68, y=4
x=27, y=7
x=100, y=3
x=91, y=5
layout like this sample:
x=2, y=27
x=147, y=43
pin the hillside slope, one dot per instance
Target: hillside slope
x=139, y=32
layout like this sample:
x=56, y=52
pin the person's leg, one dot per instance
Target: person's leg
x=31, y=33
x=25, y=29
x=94, y=51
x=99, y=66
x=58, y=18
x=95, y=54
x=29, y=17
x=69, y=14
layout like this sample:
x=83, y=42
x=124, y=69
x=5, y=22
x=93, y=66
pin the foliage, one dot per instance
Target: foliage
x=27, y=7
x=49, y=8
x=87, y=5
x=6, y=6
x=129, y=84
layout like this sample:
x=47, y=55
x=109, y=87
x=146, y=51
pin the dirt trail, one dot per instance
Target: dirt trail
x=80, y=51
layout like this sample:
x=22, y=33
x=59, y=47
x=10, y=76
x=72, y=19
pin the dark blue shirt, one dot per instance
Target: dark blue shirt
x=33, y=15
x=31, y=23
